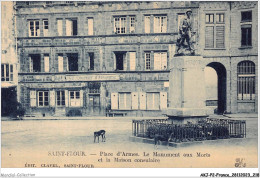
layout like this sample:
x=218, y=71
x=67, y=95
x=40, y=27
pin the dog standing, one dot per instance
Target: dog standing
x=101, y=133
x=158, y=138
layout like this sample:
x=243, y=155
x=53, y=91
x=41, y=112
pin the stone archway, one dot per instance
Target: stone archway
x=221, y=85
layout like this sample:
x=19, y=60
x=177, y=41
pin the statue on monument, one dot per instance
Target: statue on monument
x=185, y=34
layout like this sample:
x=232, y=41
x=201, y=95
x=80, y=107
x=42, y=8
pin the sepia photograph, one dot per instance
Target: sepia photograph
x=129, y=84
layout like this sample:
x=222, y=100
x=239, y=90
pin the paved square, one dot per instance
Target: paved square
x=42, y=142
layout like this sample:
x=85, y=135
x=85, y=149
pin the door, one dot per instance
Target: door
x=94, y=104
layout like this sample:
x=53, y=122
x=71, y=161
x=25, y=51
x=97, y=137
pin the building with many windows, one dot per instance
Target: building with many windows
x=102, y=58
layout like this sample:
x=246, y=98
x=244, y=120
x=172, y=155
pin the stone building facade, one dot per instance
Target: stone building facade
x=107, y=58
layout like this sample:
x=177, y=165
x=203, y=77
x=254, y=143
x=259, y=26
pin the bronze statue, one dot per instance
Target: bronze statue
x=185, y=31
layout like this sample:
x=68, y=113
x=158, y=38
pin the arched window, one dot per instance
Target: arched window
x=246, y=80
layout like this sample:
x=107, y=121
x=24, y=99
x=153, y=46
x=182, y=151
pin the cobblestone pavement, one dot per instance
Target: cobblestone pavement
x=35, y=141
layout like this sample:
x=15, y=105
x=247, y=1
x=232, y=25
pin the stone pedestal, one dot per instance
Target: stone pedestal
x=187, y=89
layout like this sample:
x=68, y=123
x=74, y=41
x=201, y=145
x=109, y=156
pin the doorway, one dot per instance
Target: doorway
x=121, y=63
x=217, y=85
x=94, y=104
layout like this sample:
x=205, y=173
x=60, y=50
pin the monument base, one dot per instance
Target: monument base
x=184, y=115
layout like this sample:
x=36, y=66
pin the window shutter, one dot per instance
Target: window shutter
x=163, y=100
x=61, y=66
x=128, y=101
x=157, y=61
x=220, y=36
x=52, y=98
x=164, y=61
x=59, y=27
x=209, y=37
x=142, y=96
x=46, y=64
x=164, y=24
x=66, y=98
x=135, y=101
x=147, y=24
x=68, y=27
x=132, y=60
x=81, y=98
x=90, y=26
x=122, y=101
x=156, y=24
x=33, y=98
x=114, y=100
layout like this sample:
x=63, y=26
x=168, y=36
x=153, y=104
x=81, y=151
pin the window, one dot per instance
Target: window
x=46, y=63
x=132, y=57
x=94, y=87
x=147, y=61
x=60, y=98
x=147, y=24
x=7, y=72
x=246, y=35
x=209, y=18
x=94, y=90
x=94, y=103
x=90, y=26
x=35, y=62
x=91, y=61
x=59, y=27
x=72, y=61
x=34, y=29
x=215, y=31
x=246, y=28
x=71, y=27
x=74, y=98
x=60, y=63
x=121, y=62
x=124, y=24
x=246, y=16
x=43, y=98
x=246, y=80
x=220, y=18
x=160, y=61
x=125, y=101
x=45, y=27
x=120, y=25
x=11, y=72
x=132, y=24
x=153, y=101
x=160, y=24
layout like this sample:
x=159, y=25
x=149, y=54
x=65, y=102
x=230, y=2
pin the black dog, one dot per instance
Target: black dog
x=101, y=133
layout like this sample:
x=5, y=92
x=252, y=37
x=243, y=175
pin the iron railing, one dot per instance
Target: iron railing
x=207, y=129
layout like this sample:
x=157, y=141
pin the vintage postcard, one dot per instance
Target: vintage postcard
x=130, y=84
